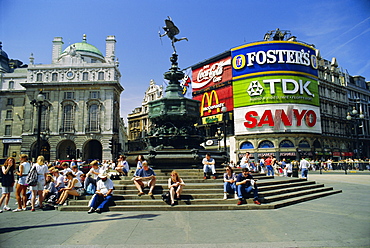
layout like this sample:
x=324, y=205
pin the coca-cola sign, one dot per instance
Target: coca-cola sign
x=212, y=73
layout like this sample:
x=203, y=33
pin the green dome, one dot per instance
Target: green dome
x=84, y=47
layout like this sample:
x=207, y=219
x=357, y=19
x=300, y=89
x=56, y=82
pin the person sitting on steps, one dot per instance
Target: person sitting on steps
x=229, y=183
x=209, y=165
x=175, y=184
x=244, y=185
x=145, y=177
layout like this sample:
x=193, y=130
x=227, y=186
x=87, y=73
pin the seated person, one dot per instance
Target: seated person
x=58, y=179
x=50, y=191
x=103, y=194
x=209, y=165
x=244, y=185
x=92, y=175
x=229, y=183
x=72, y=188
x=244, y=163
x=77, y=172
x=175, y=184
x=145, y=177
x=66, y=168
x=122, y=166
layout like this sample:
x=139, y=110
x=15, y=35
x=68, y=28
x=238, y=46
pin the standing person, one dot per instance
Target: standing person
x=268, y=164
x=175, y=184
x=21, y=188
x=244, y=185
x=145, y=177
x=289, y=169
x=262, y=165
x=72, y=188
x=139, y=163
x=229, y=183
x=303, y=166
x=37, y=190
x=7, y=182
x=103, y=194
x=244, y=163
x=122, y=165
x=209, y=165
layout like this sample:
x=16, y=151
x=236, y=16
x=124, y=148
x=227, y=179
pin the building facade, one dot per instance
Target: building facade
x=80, y=113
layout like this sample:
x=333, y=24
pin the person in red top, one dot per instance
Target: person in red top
x=268, y=165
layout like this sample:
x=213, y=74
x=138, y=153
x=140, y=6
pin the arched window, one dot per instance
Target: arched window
x=85, y=76
x=304, y=144
x=39, y=77
x=54, y=77
x=93, y=118
x=246, y=145
x=266, y=144
x=11, y=85
x=286, y=144
x=68, y=117
x=101, y=75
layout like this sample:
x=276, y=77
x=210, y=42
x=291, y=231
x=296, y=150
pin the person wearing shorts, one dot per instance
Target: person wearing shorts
x=21, y=188
x=7, y=182
x=38, y=189
x=145, y=178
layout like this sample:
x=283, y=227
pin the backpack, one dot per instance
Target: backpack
x=90, y=190
x=166, y=197
x=31, y=179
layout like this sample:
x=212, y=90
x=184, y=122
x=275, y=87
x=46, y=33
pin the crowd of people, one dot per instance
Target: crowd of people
x=56, y=181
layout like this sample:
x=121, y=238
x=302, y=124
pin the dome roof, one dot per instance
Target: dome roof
x=2, y=53
x=83, y=47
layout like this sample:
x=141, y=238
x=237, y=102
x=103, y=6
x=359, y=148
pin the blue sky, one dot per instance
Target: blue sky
x=339, y=28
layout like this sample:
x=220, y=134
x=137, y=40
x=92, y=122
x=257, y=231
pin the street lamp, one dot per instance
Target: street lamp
x=219, y=136
x=39, y=103
x=358, y=117
x=224, y=110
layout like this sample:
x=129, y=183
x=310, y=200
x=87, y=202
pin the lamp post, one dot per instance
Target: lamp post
x=358, y=117
x=219, y=135
x=38, y=103
x=224, y=110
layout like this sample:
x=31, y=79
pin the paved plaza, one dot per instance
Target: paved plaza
x=340, y=220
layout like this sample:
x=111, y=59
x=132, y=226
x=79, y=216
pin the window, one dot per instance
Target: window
x=93, y=118
x=10, y=101
x=68, y=118
x=101, y=75
x=44, y=125
x=9, y=114
x=11, y=85
x=69, y=95
x=8, y=130
x=94, y=94
x=54, y=77
x=39, y=77
x=85, y=76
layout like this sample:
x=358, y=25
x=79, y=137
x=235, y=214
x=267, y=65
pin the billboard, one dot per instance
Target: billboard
x=271, y=57
x=275, y=89
x=213, y=100
x=277, y=118
x=211, y=74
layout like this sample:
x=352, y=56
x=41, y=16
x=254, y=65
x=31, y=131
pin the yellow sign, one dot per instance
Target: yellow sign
x=209, y=98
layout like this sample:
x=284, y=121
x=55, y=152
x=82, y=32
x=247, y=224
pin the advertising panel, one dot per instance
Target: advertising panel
x=277, y=118
x=212, y=101
x=276, y=89
x=212, y=73
x=271, y=57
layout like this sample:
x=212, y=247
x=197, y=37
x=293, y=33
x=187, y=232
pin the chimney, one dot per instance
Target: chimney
x=57, y=48
x=110, y=47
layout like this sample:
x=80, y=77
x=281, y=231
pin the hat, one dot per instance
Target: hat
x=94, y=163
x=102, y=175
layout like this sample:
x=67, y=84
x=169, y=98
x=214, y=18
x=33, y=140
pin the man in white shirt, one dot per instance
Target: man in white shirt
x=103, y=194
x=303, y=166
x=209, y=165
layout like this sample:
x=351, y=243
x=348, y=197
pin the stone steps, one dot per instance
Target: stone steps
x=207, y=195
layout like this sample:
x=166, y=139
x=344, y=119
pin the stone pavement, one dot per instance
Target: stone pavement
x=340, y=220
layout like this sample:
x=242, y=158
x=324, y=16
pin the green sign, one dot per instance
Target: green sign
x=276, y=89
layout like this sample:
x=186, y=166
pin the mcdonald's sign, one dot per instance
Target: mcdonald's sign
x=212, y=101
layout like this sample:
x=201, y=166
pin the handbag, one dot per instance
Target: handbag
x=31, y=179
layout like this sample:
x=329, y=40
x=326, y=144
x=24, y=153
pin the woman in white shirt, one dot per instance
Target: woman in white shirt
x=21, y=188
x=122, y=166
x=72, y=188
x=37, y=190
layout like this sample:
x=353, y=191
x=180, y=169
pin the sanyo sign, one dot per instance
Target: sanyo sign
x=277, y=118
x=279, y=56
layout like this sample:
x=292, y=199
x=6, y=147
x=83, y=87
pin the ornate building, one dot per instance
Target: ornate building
x=138, y=121
x=80, y=113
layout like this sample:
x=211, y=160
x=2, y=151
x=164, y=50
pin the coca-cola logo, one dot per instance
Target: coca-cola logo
x=211, y=73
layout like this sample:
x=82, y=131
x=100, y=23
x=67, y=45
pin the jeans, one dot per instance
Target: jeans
x=304, y=172
x=243, y=192
x=99, y=201
x=270, y=170
x=209, y=167
x=229, y=187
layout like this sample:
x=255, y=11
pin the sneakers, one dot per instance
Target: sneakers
x=1, y=211
x=24, y=209
x=225, y=196
x=91, y=210
x=240, y=202
x=236, y=196
x=204, y=178
x=257, y=202
x=6, y=208
x=98, y=210
x=17, y=210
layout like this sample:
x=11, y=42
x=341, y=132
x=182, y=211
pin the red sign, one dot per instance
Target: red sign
x=212, y=101
x=211, y=74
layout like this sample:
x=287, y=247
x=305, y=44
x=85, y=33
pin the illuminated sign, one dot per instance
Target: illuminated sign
x=212, y=101
x=271, y=57
x=212, y=73
x=276, y=89
x=212, y=119
x=277, y=118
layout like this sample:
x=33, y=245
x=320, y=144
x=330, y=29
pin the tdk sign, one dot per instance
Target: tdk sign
x=272, y=57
